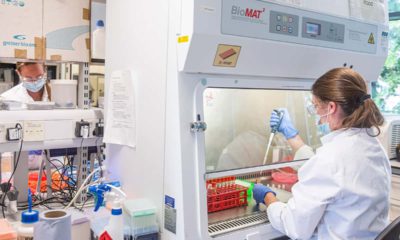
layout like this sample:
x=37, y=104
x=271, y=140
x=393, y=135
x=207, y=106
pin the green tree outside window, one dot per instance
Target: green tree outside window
x=386, y=91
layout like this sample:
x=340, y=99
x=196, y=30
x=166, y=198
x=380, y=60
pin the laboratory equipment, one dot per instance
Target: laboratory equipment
x=218, y=64
x=224, y=193
x=64, y=92
x=40, y=105
x=96, y=88
x=272, y=134
x=390, y=135
x=10, y=105
x=48, y=129
x=28, y=220
x=103, y=193
x=390, y=139
x=141, y=218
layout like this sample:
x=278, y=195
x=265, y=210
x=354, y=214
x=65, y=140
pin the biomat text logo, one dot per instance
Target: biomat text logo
x=16, y=3
x=248, y=14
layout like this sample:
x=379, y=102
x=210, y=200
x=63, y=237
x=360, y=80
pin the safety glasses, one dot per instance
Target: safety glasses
x=29, y=79
x=312, y=108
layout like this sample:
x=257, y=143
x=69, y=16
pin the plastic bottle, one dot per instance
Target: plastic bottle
x=99, y=37
x=28, y=219
x=115, y=227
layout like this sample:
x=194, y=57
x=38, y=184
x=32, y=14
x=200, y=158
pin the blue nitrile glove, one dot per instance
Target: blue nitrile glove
x=286, y=127
x=259, y=192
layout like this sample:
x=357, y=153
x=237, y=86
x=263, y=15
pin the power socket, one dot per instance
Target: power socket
x=99, y=129
x=82, y=129
x=14, y=134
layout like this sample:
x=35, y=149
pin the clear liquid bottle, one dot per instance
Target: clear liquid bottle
x=28, y=219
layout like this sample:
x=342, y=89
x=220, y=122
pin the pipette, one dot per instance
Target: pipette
x=273, y=131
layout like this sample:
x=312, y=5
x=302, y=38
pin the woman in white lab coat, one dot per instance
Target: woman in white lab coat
x=343, y=190
x=32, y=86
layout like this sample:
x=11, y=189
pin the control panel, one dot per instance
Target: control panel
x=271, y=21
x=283, y=23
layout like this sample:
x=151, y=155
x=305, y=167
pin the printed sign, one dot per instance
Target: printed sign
x=371, y=39
x=227, y=55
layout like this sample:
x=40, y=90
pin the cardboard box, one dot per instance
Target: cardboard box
x=21, y=29
x=66, y=29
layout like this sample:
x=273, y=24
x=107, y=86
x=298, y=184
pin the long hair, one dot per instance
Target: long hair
x=347, y=88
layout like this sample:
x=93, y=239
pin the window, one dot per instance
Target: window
x=386, y=91
x=238, y=126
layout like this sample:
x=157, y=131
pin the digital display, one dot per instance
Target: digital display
x=313, y=28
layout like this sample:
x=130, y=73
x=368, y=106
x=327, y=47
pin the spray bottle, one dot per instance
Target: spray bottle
x=103, y=193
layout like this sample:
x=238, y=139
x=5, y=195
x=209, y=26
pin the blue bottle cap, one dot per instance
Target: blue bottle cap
x=116, y=212
x=30, y=216
x=100, y=23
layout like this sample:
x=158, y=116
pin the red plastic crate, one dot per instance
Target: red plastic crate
x=223, y=193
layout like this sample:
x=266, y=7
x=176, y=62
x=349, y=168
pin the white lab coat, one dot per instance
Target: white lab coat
x=20, y=94
x=342, y=193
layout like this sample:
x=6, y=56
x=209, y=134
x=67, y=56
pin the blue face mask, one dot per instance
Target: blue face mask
x=322, y=128
x=35, y=86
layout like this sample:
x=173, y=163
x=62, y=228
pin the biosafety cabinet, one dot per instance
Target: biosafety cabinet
x=207, y=76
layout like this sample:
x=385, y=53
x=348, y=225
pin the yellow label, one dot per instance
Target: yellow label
x=183, y=39
x=226, y=55
x=371, y=39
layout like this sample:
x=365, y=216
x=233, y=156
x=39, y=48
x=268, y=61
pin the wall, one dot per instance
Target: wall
x=135, y=29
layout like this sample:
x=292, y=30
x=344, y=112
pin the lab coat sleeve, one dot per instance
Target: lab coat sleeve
x=304, y=152
x=316, y=188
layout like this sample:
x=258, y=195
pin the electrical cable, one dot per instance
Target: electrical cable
x=59, y=195
x=62, y=174
x=63, y=193
x=83, y=186
x=14, y=170
x=49, y=200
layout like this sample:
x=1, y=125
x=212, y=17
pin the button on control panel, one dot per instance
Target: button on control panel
x=284, y=23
